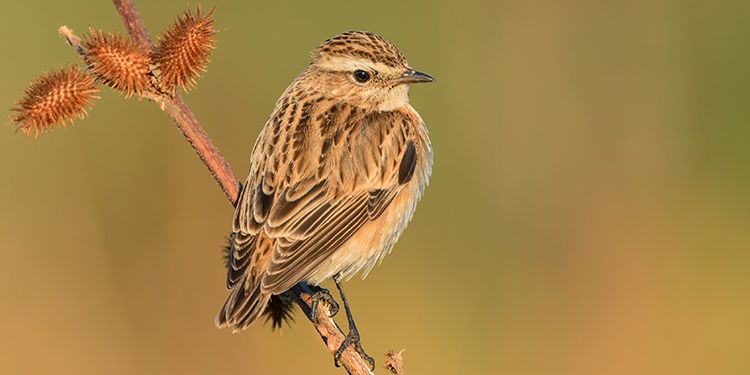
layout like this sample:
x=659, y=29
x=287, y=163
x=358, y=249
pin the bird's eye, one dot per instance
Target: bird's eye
x=361, y=76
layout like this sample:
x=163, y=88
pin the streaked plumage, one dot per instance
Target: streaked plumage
x=335, y=176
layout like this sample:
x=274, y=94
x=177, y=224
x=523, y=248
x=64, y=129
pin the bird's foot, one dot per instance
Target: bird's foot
x=352, y=339
x=322, y=295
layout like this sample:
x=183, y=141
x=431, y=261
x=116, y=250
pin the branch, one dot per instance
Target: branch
x=332, y=336
x=188, y=124
x=181, y=115
x=134, y=23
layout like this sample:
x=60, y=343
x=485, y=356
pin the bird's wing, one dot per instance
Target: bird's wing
x=318, y=185
x=314, y=235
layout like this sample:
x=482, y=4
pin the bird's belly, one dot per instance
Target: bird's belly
x=373, y=241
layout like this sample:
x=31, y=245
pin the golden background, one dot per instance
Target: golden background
x=589, y=211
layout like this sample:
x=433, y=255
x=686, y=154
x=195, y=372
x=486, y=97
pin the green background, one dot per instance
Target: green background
x=588, y=211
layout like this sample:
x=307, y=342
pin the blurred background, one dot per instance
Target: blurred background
x=588, y=212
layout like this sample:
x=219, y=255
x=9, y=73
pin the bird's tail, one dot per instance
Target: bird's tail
x=246, y=300
x=243, y=306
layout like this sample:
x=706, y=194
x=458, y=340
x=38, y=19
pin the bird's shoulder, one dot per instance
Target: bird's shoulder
x=317, y=137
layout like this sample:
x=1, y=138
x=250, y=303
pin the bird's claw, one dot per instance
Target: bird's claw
x=352, y=339
x=325, y=296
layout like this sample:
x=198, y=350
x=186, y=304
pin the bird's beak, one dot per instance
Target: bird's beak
x=413, y=76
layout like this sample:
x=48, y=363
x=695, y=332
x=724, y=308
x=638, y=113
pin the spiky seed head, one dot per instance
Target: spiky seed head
x=54, y=98
x=117, y=61
x=394, y=361
x=183, y=50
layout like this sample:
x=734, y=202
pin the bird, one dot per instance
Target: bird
x=335, y=176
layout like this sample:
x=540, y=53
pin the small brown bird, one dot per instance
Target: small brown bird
x=334, y=179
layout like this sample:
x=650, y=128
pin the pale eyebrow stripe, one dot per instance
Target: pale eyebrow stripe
x=336, y=63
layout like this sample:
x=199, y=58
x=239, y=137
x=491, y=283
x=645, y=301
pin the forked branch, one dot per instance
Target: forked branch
x=181, y=115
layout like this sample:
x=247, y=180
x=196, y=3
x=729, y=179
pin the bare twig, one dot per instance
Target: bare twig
x=186, y=121
x=394, y=361
x=134, y=23
x=332, y=336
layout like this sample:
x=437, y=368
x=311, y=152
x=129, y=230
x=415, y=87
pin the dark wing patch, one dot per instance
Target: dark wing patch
x=408, y=163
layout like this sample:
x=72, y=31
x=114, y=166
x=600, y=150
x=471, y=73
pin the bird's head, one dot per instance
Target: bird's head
x=364, y=69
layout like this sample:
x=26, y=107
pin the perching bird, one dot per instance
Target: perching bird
x=335, y=176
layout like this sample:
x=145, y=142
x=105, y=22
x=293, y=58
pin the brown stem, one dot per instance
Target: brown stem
x=186, y=121
x=134, y=23
x=181, y=115
x=332, y=337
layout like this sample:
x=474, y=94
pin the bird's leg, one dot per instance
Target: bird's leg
x=352, y=338
x=318, y=294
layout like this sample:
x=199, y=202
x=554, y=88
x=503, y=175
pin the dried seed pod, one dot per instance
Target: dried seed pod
x=117, y=62
x=183, y=50
x=54, y=98
x=394, y=361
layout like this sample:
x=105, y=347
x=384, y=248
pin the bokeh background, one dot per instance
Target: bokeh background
x=589, y=211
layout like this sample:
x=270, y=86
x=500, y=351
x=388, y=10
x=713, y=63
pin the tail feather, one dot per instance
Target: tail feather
x=245, y=255
x=246, y=301
x=242, y=307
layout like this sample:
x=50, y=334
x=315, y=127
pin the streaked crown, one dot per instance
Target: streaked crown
x=361, y=45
